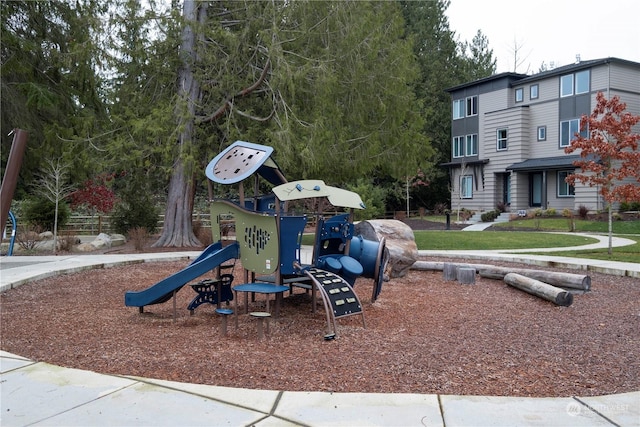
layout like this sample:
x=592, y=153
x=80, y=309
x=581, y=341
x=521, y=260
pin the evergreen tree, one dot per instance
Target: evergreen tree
x=50, y=86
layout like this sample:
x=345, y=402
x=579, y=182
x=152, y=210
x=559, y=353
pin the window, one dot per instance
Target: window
x=466, y=187
x=501, y=138
x=566, y=85
x=542, y=133
x=471, y=149
x=472, y=105
x=577, y=83
x=533, y=92
x=568, y=130
x=582, y=82
x=564, y=189
x=519, y=94
x=458, y=146
x=458, y=109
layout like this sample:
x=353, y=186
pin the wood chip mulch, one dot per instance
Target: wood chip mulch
x=423, y=335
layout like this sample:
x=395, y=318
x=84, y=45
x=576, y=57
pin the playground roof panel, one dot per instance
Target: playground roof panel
x=241, y=160
x=310, y=188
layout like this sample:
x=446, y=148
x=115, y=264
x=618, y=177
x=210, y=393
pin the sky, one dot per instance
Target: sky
x=550, y=31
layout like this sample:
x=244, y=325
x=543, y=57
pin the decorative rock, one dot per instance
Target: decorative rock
x=46, y=235
x=117, y=239
x=102, y=240
x=399, y=241
x=84, y=247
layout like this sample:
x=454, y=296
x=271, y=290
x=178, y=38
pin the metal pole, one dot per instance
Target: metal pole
x=10, y=180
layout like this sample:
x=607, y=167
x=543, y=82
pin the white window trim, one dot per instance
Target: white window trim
x=562, y=95
x=458, y=141
x=459, y=103
x=571, y=134
x=464, y=187
x=474, y=106
x=575, y=82
x=474, y=147
x=498, y=139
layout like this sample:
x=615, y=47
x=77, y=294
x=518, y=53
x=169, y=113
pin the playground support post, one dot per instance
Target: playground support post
x=10, y=179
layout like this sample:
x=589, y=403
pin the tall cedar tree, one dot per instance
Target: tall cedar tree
x=609, y=155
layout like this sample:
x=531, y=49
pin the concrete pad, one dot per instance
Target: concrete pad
x=359, y=409
x=9, y=362
x=39, y=391
x=145, y=404
x=259, y=400
x=517, y=411
x=623, y=409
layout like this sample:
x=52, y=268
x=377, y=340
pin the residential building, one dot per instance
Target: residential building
x=509, y=132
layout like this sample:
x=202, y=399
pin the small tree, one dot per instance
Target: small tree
x=53, y=185
x=95, y=195
x=609, y=156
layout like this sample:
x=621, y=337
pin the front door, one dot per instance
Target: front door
x=535, y=189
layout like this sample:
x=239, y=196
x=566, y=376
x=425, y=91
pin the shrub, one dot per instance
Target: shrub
x=28, y=237
x=630, y=206
x=550, y=212
x=66, y=240
x=135, y=209
x=489, y=216
x=41, y=213
x=583, y=211
x=501, y=207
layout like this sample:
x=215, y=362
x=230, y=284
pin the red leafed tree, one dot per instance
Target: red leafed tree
x=609, y=156
x=95, y=194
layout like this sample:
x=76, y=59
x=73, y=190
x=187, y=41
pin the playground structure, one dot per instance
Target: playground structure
x=268, y=237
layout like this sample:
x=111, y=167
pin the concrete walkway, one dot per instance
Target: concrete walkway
x=37, y=393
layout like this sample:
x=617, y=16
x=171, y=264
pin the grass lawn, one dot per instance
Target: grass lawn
x=529, y=236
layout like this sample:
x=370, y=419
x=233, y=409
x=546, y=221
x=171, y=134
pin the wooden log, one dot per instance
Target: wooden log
x=466, y=275
x=427, y=266
x=555, y=278
x=539, y=289
x=449, y=271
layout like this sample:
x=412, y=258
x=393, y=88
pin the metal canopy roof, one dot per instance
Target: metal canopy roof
x=544, y=163
x=311, y=188
x=241, y=160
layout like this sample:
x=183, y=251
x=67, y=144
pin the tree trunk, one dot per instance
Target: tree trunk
x=564, y=280
x=178, y=230
x=539, y=289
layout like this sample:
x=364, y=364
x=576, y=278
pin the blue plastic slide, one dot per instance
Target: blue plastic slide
x=213, y=256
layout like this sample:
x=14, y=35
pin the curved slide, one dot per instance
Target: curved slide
x=210, y=258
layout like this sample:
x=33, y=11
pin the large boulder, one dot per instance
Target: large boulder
x=399, y=241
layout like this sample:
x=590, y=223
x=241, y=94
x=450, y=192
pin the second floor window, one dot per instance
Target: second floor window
x=568, y=130
x=458, y=109
x=533, y=92
x=574, y=84
x=542, y=133
x=501, y=139
x=472, y=105
x=519, y=94
x=564, y=189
